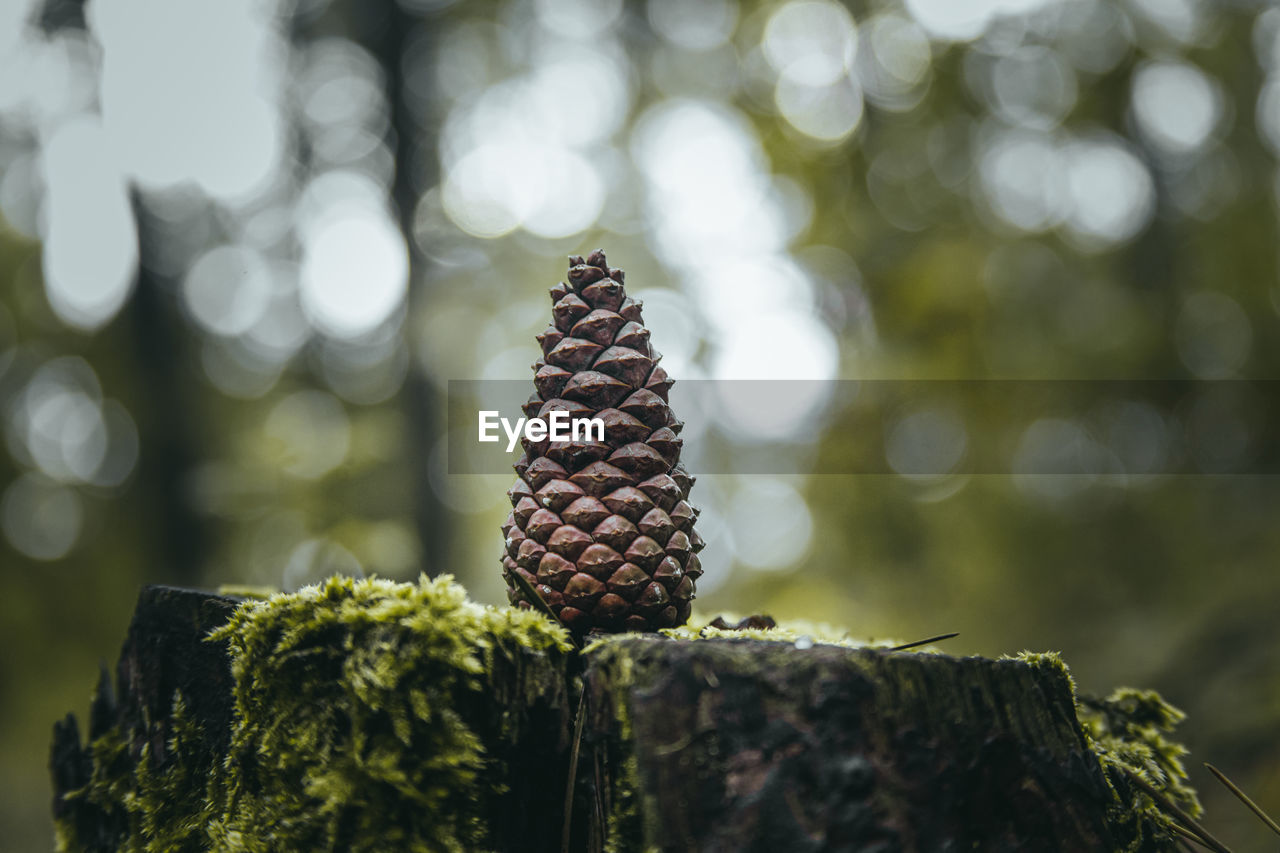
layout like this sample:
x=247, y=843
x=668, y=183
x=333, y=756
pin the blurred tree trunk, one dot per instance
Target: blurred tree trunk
x=57, y=14
x=164, y=415
x=384, y=28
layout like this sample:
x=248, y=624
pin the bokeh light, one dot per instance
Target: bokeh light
x=1110, y=194
x=41, y=519
x=310, y=432
x=1176, y=105
x=926, y=444
x=354, y=272
x=810, y=42
x=227, y=290
x=770, y=522
x=893, y=62
x=695, y=26
x=316, y=559
x=1213, y=335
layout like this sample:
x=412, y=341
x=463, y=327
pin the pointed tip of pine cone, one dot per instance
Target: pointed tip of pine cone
x=595, y=267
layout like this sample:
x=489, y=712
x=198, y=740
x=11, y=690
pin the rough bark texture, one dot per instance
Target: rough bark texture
x=708, y=744
x=751, y=745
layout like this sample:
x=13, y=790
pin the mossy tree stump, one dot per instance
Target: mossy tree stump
x=374, y=716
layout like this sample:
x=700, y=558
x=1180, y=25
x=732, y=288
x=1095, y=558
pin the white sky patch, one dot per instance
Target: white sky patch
x=90, y=241
x=13, y=14
x=192, y=96
x=43, y=78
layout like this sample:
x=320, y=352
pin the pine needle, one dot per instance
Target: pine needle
x=1242, y=797
x=1186, y=838
x=573, y=771
x=925, y=642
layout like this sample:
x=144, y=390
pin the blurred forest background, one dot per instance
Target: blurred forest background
x=245, y=244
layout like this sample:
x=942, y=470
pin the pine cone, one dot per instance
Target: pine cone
x=603, y=530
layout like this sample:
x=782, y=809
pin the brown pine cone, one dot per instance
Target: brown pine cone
x=602, y=529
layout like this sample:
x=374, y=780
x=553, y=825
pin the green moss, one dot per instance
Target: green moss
x=107, y=795
x=1046, y=660
x=155, y=808
x=1127, y=732
x=239, y=590
x=350, y=731
x=789, y=631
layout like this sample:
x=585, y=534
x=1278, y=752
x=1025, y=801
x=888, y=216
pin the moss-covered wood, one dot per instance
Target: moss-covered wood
x=366, y=715
x=357, y=715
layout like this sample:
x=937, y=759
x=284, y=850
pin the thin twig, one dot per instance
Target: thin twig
x=1253, y=807
x=535, y=599
x=573, y=771
x=1186, y=838
x=1172, y=808
x=925, y=642
x=598, y=836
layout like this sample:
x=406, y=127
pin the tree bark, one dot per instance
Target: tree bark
x=753, y=745
x=708, y=744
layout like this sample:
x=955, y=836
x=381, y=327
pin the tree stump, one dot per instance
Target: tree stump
x=302, y=727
